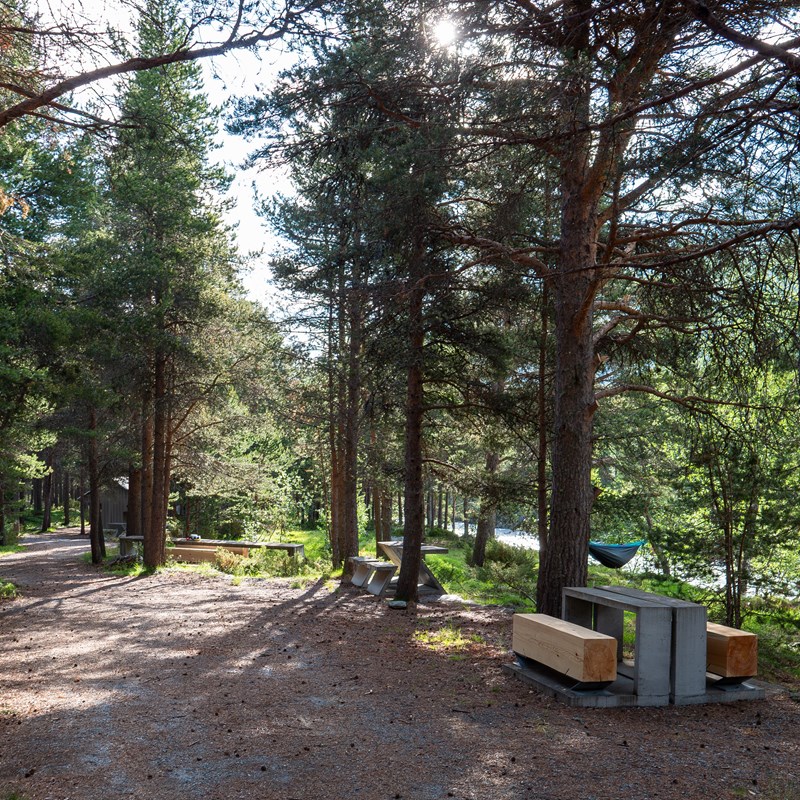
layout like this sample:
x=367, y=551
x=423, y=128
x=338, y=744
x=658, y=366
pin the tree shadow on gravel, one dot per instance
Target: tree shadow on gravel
x=177, y=686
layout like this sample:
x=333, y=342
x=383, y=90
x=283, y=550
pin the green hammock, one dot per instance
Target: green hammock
x=614, y=555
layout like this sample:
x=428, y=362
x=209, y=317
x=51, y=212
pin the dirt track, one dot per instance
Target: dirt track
x=179, y=686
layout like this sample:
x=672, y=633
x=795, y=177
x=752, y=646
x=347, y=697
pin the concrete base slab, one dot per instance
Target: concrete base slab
x=620, y=693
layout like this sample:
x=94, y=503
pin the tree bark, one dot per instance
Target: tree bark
x=82, y=503
x=414, y=499
x=65, y=498
x=133, y=522
x=377, y=517
x=47, y=492
x=146, y=510
x=486, y=516
x=154, y=535
x=541, y=455
x=95, y=523
x=352, y=425
x=2, y=515
x=574, y=285
x=386, y=506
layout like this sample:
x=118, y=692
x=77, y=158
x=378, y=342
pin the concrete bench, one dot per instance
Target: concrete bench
x=362, y=568
x=373, y=574
x=583, y=655
x=731, y=654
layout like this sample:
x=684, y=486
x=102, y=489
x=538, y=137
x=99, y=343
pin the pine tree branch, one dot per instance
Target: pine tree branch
x=781, y=52
x=138, y=64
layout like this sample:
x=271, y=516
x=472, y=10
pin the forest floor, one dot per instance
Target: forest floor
x=177, y=685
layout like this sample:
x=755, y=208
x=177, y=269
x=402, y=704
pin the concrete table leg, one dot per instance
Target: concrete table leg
x=581, y=612
x=688, y=679
x=651, y=676
x=611, y=622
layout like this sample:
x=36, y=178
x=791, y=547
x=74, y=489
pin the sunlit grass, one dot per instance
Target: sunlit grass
x=449, y=638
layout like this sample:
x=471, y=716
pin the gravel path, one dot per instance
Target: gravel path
x=182, y=686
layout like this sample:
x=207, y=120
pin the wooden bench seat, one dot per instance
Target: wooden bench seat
x=731, y=654
x=198, y=555
x=584, y=655
x=294, y=549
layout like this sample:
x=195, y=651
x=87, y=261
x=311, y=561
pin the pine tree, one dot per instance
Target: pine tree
x=173, y=262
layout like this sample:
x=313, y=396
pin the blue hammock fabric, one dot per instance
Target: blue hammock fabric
x=614, y=555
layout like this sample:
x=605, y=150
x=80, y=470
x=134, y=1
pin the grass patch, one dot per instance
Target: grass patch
x=32, y=520
x=7, y=590
x=449, y=638
x=7, y=549
x=130, y=568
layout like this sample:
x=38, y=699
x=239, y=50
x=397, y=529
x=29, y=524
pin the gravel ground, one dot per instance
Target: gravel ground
x=178, y=686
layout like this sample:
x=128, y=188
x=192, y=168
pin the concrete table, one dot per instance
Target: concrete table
x=688, y=650
x=603, y=610
x=394, y=552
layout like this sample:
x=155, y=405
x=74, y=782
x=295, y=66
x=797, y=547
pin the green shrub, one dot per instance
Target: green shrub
x=508, y=554
x=228, y=562
x=7, y=590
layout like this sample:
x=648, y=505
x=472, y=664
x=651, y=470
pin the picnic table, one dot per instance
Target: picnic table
x=296, y=550
x=393, y=550
x=670, y=645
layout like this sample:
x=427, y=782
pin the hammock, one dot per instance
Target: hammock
x=614, y=555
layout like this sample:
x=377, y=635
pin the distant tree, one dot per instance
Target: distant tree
x=172, y=263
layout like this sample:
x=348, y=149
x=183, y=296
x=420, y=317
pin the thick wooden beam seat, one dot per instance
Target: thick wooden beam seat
x=580, y=653
x=293, y=549
x=731, y=653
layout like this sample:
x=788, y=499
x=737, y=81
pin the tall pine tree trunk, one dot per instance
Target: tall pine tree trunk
x=47, y=492
x=65, y=498
x=486, y=516
x=541, y=455
x=414, y=495
x=565, y=560
x=95, y=521
x=82, y=504
x=354, y=325
x=145, y=510
x=574, y=285
x=133, y=522
x=154, y=538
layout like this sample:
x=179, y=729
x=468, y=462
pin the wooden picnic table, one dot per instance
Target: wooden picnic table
x=294, y=549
